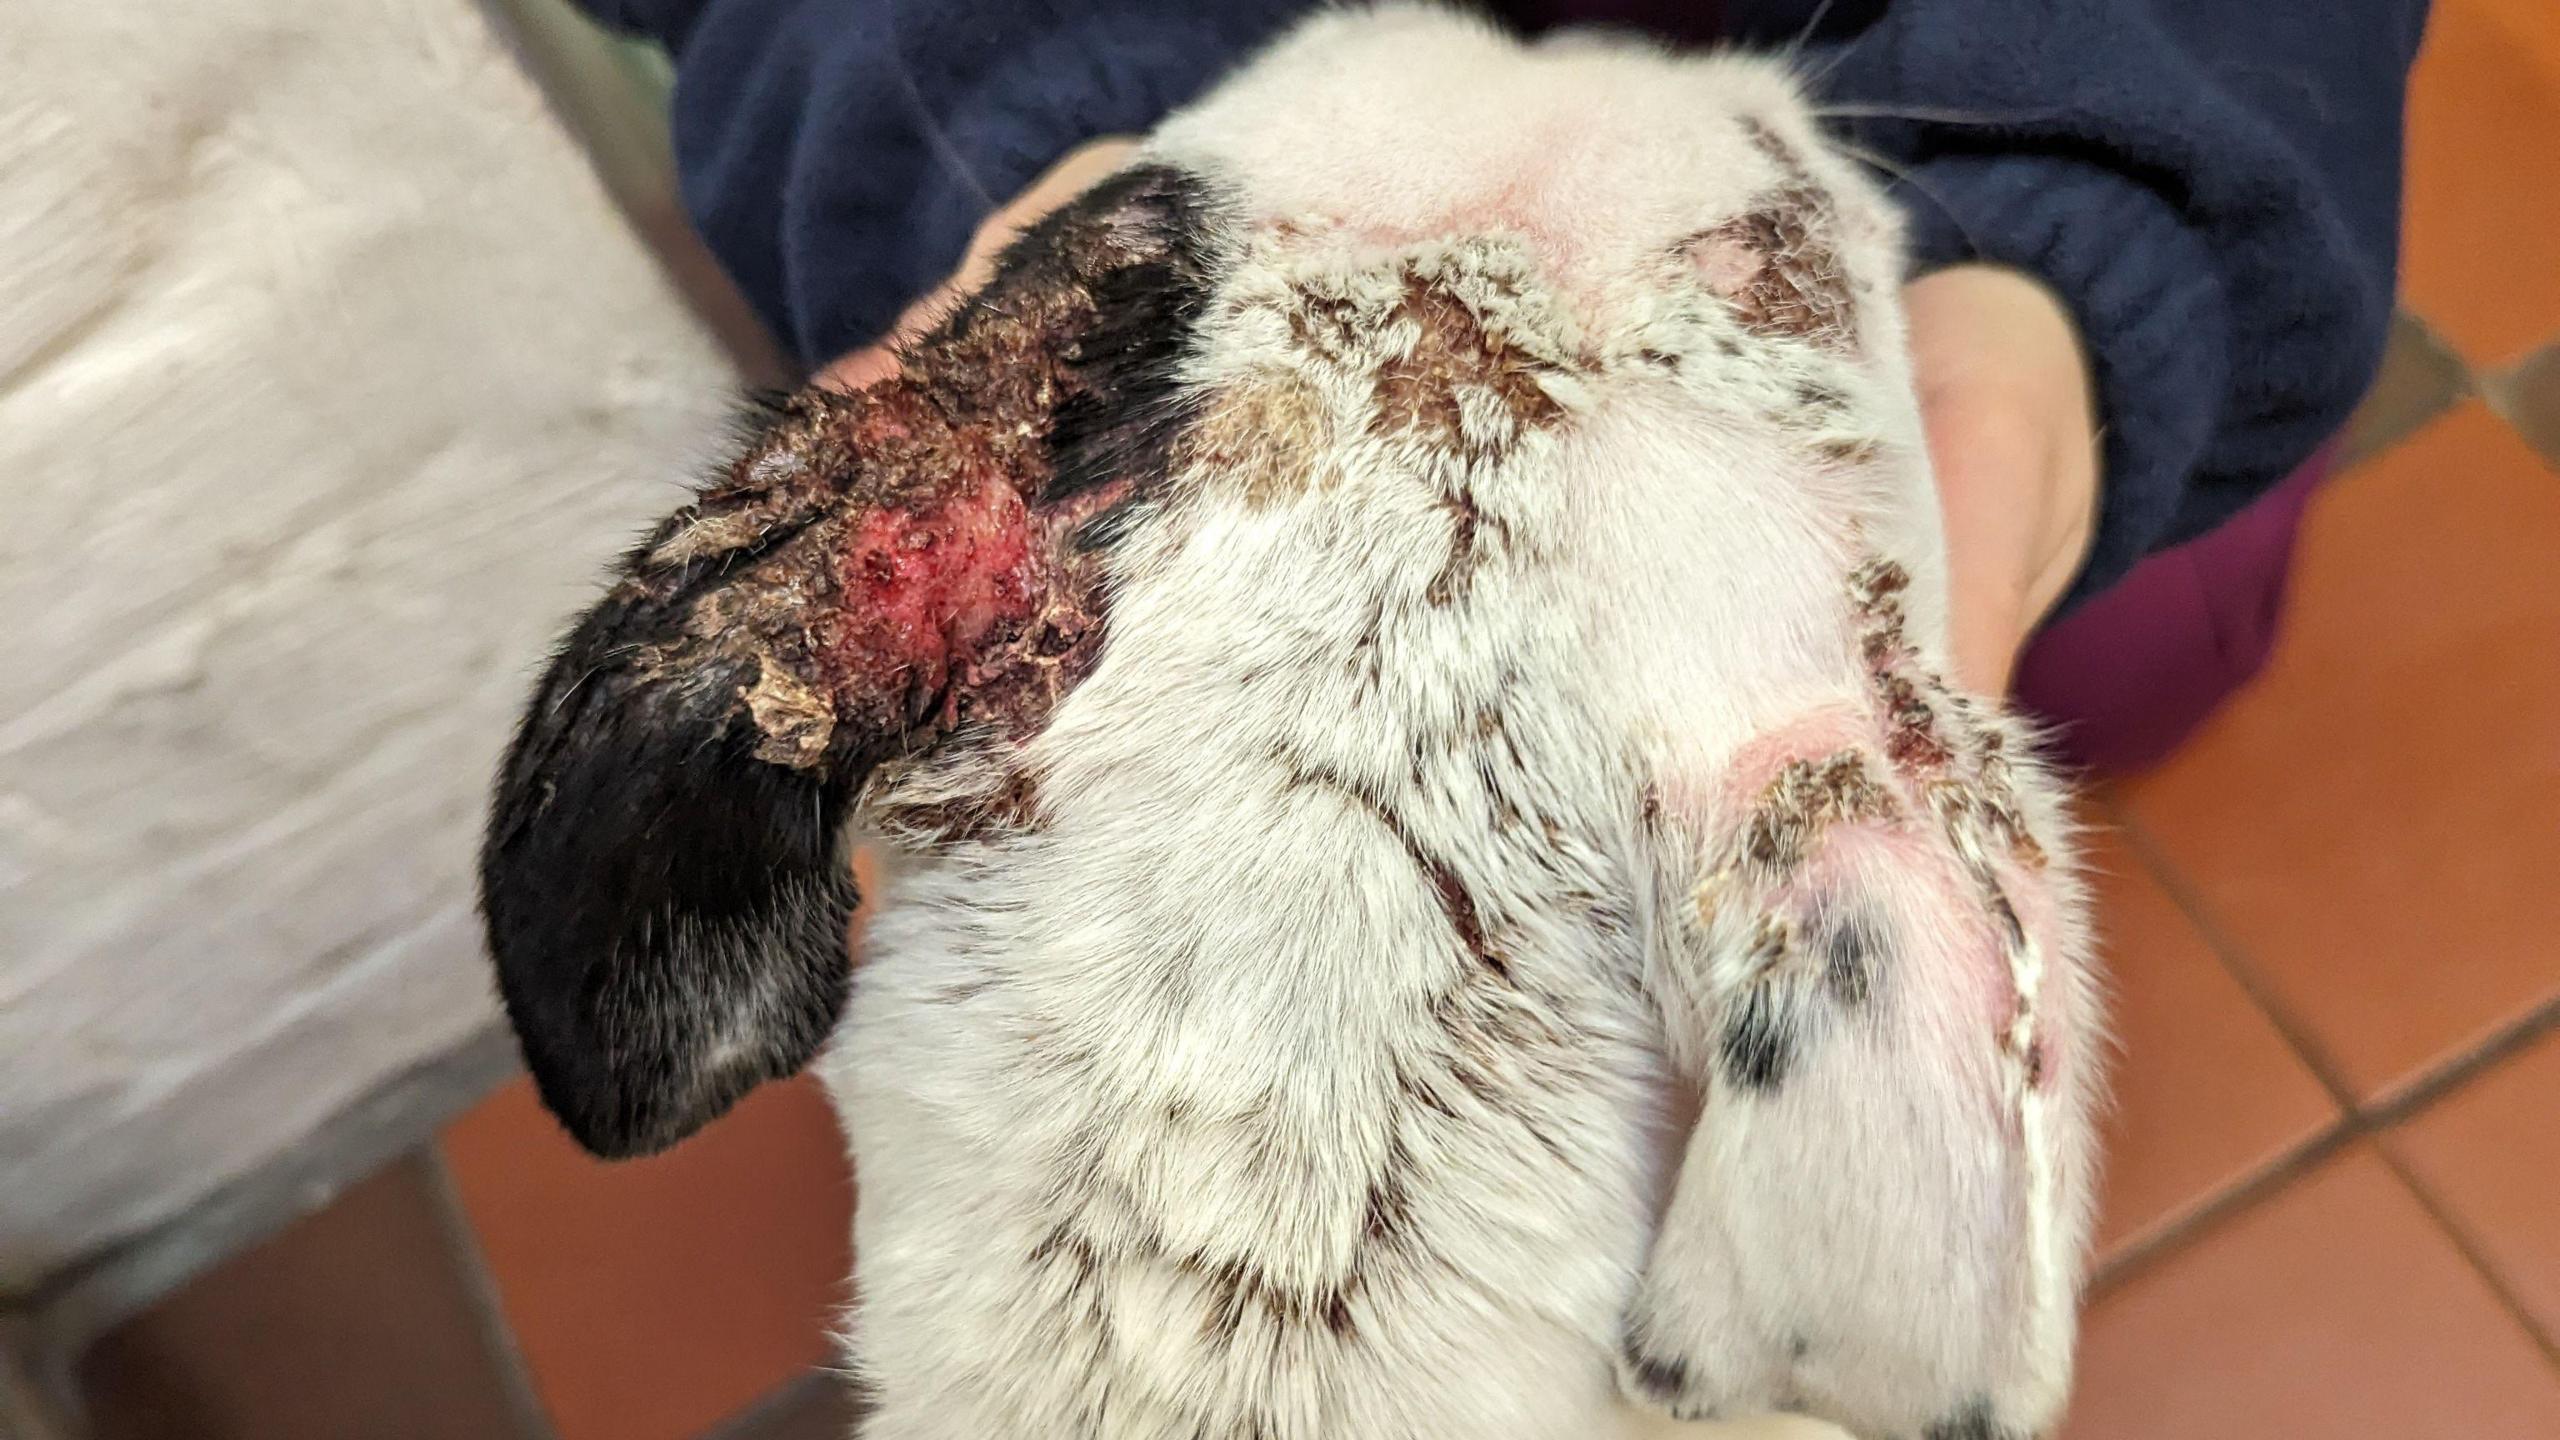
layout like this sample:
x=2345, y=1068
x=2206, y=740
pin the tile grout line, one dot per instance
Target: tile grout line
x=2306, y=1047
x=2243, y=1194
x=532, y=1419
x=2357, y=1120
x=2460, y=1237
x=2386, y=1117
x=2450, y=379
x=2452, y=1075
x=2508, y=389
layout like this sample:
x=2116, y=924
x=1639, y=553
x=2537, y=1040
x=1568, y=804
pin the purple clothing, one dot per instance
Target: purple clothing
x=2127, y=677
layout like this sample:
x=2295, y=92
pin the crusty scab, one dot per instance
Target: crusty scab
x=1454, y=378
x=1932, y=736
x=929, y=572
x=1457, y=349
x=1777, y=267
x=875, y=572
x=1779, y=264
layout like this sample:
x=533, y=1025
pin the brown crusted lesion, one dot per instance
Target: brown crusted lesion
x=1779, y=269
x=1779, y=265
x=1437, y=342
x=1932, y=736
x=794, y=717
x=1802, y=803
x=878, y=567
x=1455, y=355
x=1907, y=696
x=788, y=477
x=1807, y=798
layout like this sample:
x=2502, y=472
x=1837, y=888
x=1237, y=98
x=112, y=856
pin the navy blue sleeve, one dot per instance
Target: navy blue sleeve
x=2213, y=186
x=838, y=154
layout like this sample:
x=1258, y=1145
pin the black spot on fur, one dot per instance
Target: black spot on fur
x=1852, y=947
x=1759, y=1041
x=1973, y=1422
x=1659, y=1379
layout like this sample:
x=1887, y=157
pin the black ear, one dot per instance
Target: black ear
x=668, y=910
x=663, y=880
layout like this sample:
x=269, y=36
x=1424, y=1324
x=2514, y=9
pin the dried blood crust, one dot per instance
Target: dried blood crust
x=911, y=553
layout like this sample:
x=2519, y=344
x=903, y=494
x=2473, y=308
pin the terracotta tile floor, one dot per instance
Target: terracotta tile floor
x=2335, y=924
x=654, y=1299
x=2333, y=1206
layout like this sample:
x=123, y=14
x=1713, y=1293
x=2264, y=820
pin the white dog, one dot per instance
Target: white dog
x=1403, y=636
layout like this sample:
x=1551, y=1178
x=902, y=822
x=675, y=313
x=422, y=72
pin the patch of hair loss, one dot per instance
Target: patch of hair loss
x=1457, y=349
x=1779, y=270
x=1260, y=440
x=1779, y=265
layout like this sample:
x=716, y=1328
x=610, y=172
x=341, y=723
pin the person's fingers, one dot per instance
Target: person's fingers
x=1987, y=474
x=2005, y=397
x=858, y=370
x=1078, y=171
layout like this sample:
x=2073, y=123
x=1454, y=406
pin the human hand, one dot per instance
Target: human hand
x=1074, y=174
x=2005, y=399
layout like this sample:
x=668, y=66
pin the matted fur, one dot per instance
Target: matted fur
x=1523, y=706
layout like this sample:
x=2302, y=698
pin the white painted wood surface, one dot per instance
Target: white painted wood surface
x=329, y=377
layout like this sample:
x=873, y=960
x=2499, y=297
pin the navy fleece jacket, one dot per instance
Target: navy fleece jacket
x=2212, y=185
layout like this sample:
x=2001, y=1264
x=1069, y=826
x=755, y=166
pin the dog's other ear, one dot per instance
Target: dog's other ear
x=663, y=876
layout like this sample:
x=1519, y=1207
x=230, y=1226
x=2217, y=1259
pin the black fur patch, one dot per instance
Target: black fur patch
x=1973, y=1422
x=1660, y=1380
x=1125, y=415
x=1759, y=1040
x=1852, y=948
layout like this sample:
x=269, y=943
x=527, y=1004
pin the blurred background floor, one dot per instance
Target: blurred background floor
x=2334, y=935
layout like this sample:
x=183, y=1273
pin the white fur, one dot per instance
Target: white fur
x=1211, y=1019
